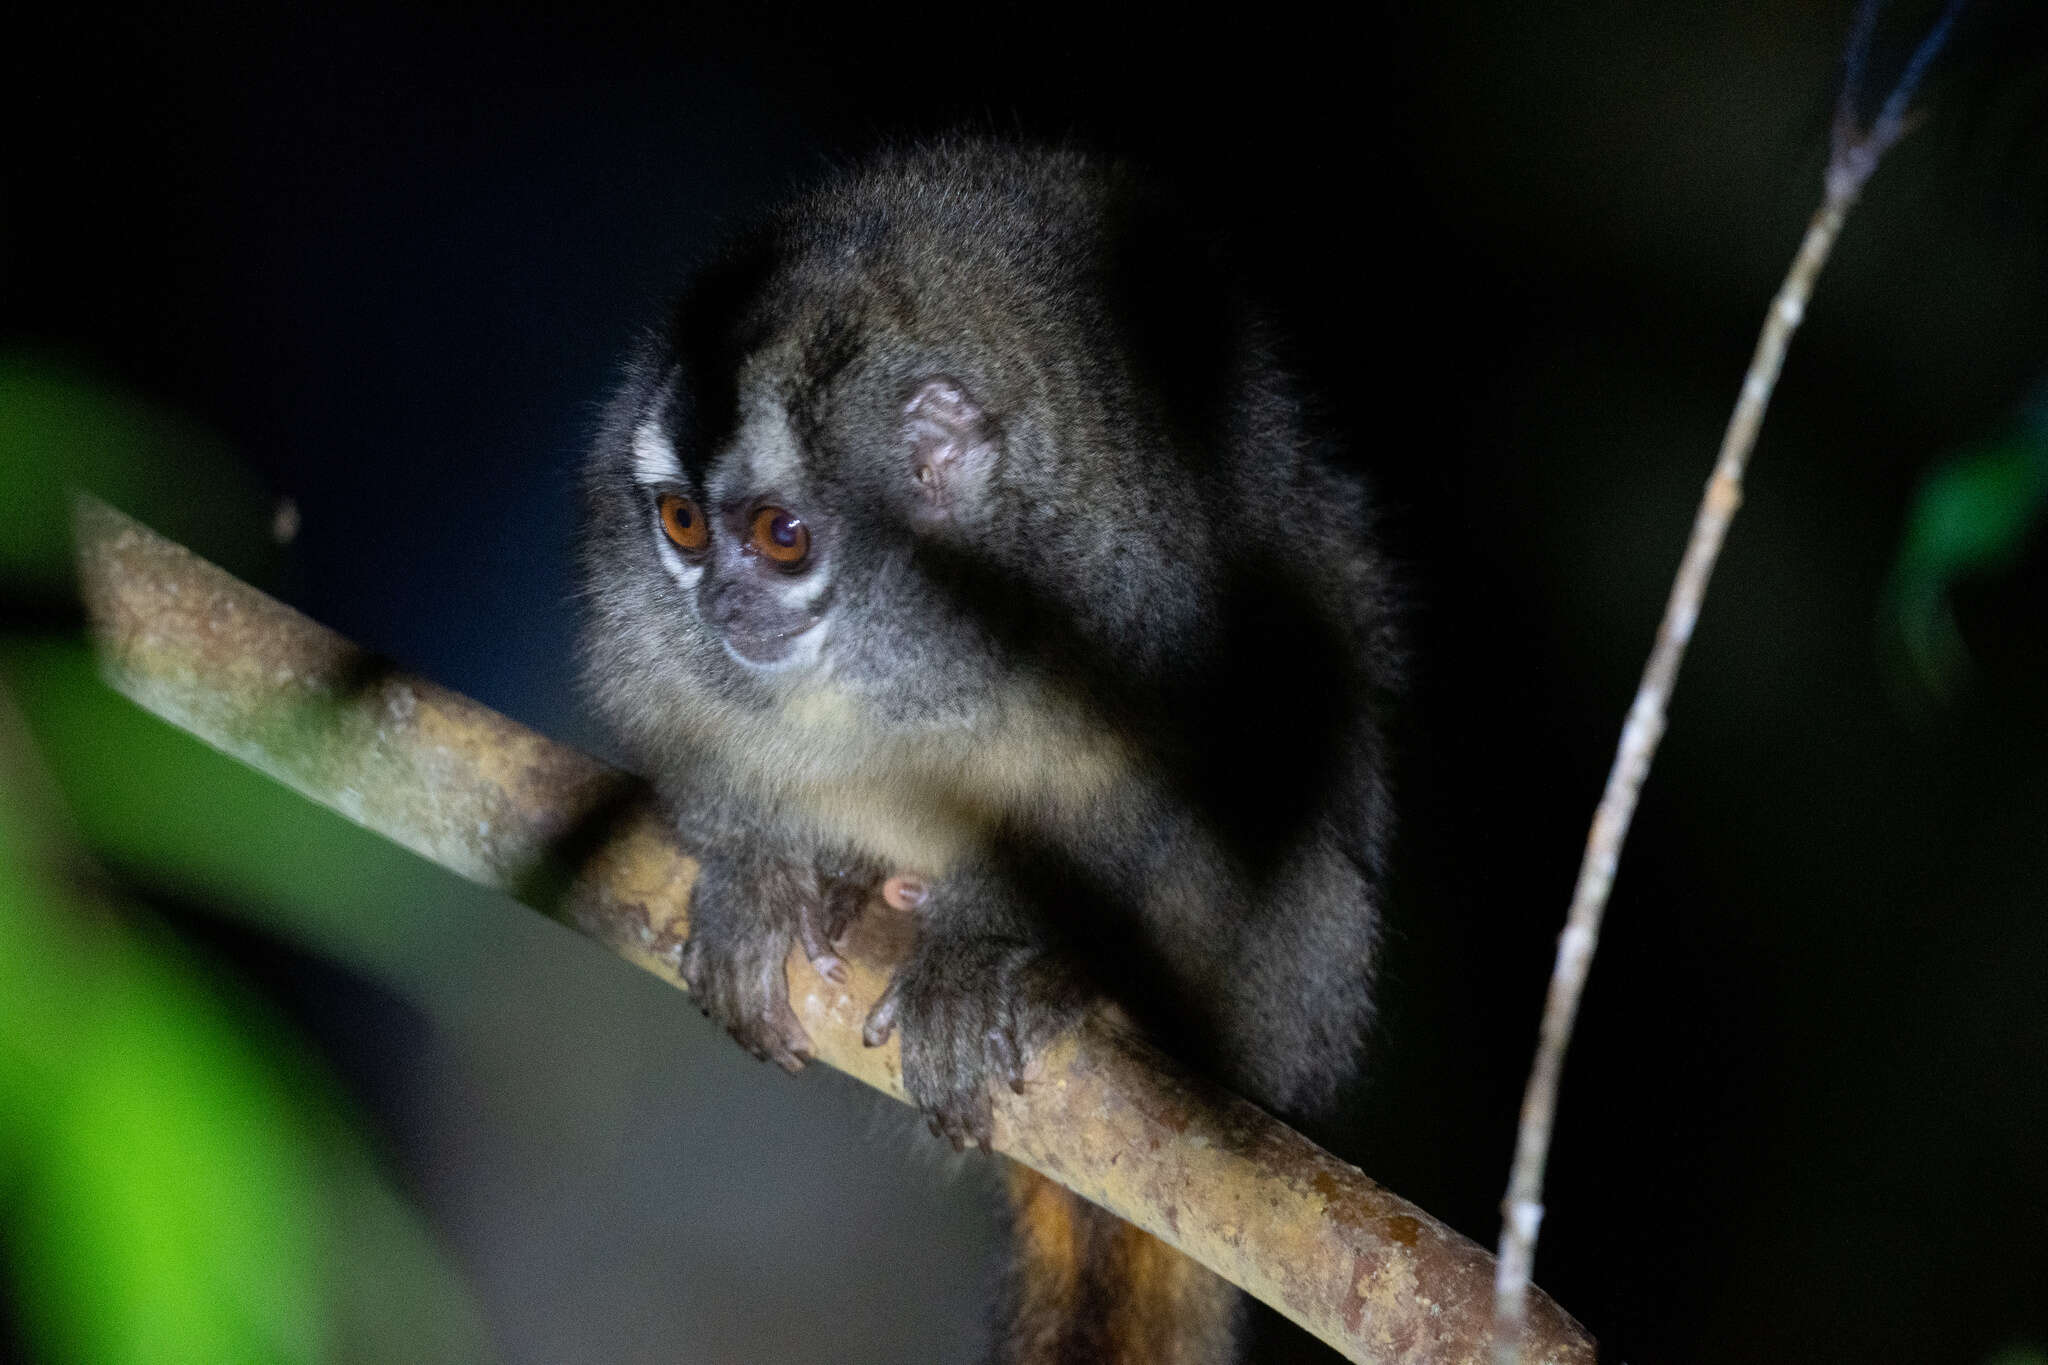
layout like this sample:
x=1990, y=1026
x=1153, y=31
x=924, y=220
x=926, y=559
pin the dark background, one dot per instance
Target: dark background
x=392, y=257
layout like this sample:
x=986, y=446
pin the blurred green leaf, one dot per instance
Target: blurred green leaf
x=180, y=1181
x=183, y=1184
x=61, y=430
x=1974, y=515
x=1975, y=511
x=152, y=799
x=169, y=1209
x=2017, y=1355
x=163, y=1207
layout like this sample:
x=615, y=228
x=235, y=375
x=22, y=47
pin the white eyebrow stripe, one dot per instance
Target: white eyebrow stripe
x=654, y=459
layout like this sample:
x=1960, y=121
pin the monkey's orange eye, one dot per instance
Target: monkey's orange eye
x=683, y=522
x=780, y=536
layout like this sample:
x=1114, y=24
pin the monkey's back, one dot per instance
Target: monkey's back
x=1172, y=544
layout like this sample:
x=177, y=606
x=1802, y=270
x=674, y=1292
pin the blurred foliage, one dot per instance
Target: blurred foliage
x=165, y=808
x=1974, y=515
x=180, y=1180
x=60, y=431
x=2018, y=1355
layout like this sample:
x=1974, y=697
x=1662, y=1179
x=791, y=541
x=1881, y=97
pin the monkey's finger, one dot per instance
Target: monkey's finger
x=977, y=1118
x=956, y=1129
x=962, y=1106
x=765, y=1041
x=788, y=1042
x=984, y=1117
x=881, y=1021
x=690, y=964
x=824, y=961
x=843, y=900
x=790, y=1050
x=1007, y=1061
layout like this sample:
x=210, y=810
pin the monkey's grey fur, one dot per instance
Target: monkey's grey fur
x=1090, y=636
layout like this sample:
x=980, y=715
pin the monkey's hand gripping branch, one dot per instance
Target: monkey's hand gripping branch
x=1367, y=1272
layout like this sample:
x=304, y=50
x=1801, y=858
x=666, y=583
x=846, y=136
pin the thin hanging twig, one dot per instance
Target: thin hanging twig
x=1854, y=154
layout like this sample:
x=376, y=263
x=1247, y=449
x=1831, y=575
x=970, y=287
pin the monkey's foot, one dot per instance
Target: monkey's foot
x=973, y=1012
x=745, y=916
x=738, y=980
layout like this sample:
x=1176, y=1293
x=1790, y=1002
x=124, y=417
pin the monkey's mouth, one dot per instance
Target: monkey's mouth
x=765, y=650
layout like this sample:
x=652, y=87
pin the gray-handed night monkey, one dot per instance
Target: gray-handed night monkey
x=961, y=525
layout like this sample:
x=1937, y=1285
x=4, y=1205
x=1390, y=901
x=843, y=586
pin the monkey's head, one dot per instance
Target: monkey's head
x=799, y=547
x=946, y=482
x=816, y=536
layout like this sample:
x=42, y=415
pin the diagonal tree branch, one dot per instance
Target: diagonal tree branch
x=1110, y=1118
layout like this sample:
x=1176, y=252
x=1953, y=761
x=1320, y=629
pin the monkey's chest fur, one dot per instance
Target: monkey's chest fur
x=922, y=800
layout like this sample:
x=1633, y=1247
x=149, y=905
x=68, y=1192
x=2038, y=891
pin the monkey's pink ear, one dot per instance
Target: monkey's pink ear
x=952, y=445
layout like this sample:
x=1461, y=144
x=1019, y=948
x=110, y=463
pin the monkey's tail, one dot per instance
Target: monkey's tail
x=1087, y=1288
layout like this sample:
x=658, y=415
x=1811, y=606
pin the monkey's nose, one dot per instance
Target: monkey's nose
x=719, y=609
x=753, y=632
x=717, y=603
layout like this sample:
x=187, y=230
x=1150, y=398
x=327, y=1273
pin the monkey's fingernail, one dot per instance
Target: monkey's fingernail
x=905, y=893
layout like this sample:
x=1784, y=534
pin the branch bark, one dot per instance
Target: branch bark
x=1111, y=1118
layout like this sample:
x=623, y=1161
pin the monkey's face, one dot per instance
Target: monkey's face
x=751, y=556
x=807, y=553
x=822, y=601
